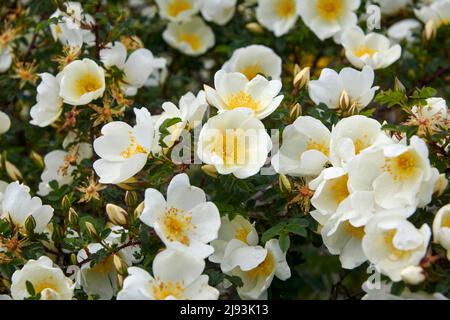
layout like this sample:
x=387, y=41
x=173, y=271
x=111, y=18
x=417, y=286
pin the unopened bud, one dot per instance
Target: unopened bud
x=73, y=259
x=30, y=225
x=37, y=159
x=301, y=79
x=73, y=217
x=120, y=265
x=398, y=85
x=12, y=171
x=90, y=229
x=429, y=33
x=65, y=203
x=131, y=198
x=254, y=27
x=344, y=100
x=116, y=214
x=412, y=275
x=210, y=170
x=285, y=184
x=138, y=210
x=441, y=185
x=295, y=112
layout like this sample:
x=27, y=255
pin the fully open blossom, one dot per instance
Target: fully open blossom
x=185, y=221
x=237, y=228
x=257, y=267
x=176, y=276
x=233, y=90
x=124, y=149
x=5, y=122
x=441, y=228
x=193, y=37
x=372, y=49
x=234, y=142
x=101, y=279
x=179, y=10
x=438, y=13
x=218, y=11
x=81, y=82
x=431, y=117
x=352, y=135
x=70, y=31
x=328, y=17
x=137, y=68
x=16, y=204
x=305, y=148
x=48, y=281
x=253, y=60
x=49, y=104
x=358, y=85
x=393, y=243
x=278, y=16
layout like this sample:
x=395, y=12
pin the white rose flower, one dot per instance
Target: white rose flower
x=238, y=228
x=390, y=7
x=17, y=205
x=403, y=30
x=305, y=148
x=193, y=37
x=59, y=165
x=432, y=116
x=176, y=276
x=441, y=228
x=48, y=280
x=328, y=17
x=82, y=81
x=256, y=266
x=372, y=49
x=278, y=16
x=69, y=31
x=190, y=111
x=233, y=90
x=49, y=104
x=6, y=58
x=438, y=12
x=185, y=221
x=5, y=122
x=330, y=86
x=218, y=11
x=101, y=279
x=179, y=10
x=352, y=135
x=392, y=243
x=124, y=149
x=253, y=60
x=234, y=142
x=137, y=68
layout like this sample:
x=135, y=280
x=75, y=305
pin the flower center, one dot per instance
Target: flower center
x=45, y=284
x=360, y=145
x=319, y=146
x=252, y=71
x=231, y=147
x=402, y=167
x=355, y=232
x=339, y=188
x=329, y=9
x=176, y=224
x=176, y=7
x=88, y=83
x=134, y=147
x=162, y=290
x=104, y=266
x=241, y=234
x=396, y=253
x=242, y=100
x=362, y=51
x=445, y=221
x=192, y=39
x=285, y=8
x=264, y=269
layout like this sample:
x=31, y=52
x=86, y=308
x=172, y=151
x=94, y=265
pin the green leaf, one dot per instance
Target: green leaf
x=30, y=288
x=163, y=130
x=285, y=242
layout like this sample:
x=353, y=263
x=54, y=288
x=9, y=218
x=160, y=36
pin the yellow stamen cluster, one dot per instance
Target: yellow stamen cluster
x=339, y=188
x=285, y=8
x=264, y=269
x=242, y=100
x=175, y=7
x=177, y=223
x=88, y=83
x=396, y=253
x=356, y=232
x=162, y=290
x=361, y=51
x=192, y=39
x=319, y=146
x=402, y=167
x=329, y=9
x=252, y=71
x=134, y=147
x=242, y=234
